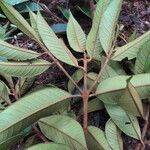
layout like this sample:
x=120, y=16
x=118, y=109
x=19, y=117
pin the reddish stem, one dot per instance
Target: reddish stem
x=85, y=96
x=39, y=134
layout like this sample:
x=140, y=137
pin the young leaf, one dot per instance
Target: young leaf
x=54, y=45
x=131, y=49
x=29, y=109
x=111, y=89
x=15, y=17
x=108, y=24
x=113, y=135
x=131, y=101
x=126, y=123
x=77, y=76
x=75, y=35
x=13, y=52
x=64, y=130
x=49, y=146
x=93, y=45
x=24, y=69
x=142, y=64
x=96, y=139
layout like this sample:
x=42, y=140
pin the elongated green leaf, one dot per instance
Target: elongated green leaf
x=29, y=109
x=15, y=2
x=93, y=105
x=93, y=45
x=33, y=21
x=64, y=130
x=49, y=146
x=4, y=95
x=85, y=10
x=131, y=49
x=75, y=35
x=126, y=123
x=77, y=76
x=11, y=141
x=12, y=52
x=55, y=46
x=96, y=139
x=25, y=84
x=113, y=136
x=59, y=28
x=24, y=69
x=131, y=101
x=108, y=24
x=15, y=17
x=111, y=89
x=142, y=64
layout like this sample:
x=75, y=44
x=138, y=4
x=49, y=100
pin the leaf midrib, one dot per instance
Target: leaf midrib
x=30, y=115
x=121, y=89
x=19, y=49
x=61, y=132
x=128, y=47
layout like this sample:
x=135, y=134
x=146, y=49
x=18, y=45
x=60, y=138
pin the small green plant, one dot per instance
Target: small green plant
x=49, y=107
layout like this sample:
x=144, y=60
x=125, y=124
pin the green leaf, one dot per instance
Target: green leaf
x=33, y=21
x=132, y=37
x=49, y=146
x=77, y=76
x=55, y=45
x=23, y=7
x=26, y=84
x=126, y=123
x=65, y=12
x=29, y=109
x=131, y=49
x=24, y=69
x=13, y=52
x=93, y=105
x=85, y=10
x=131, y=102
x=15, y=17
x=4, y=95
x=11, y=141
x=142, y=64
x=113, y=135
x=75, y=35
x=64, y=130
x=111, y=89
x=93, y=45
x=108, y=24
x=96, y=139
x=59, y=28
x=15, y=2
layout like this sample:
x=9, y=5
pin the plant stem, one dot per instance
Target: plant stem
x=141, y=146
x=60, y=66
x=39, y=134
x=85, y=96
x=102, y=69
